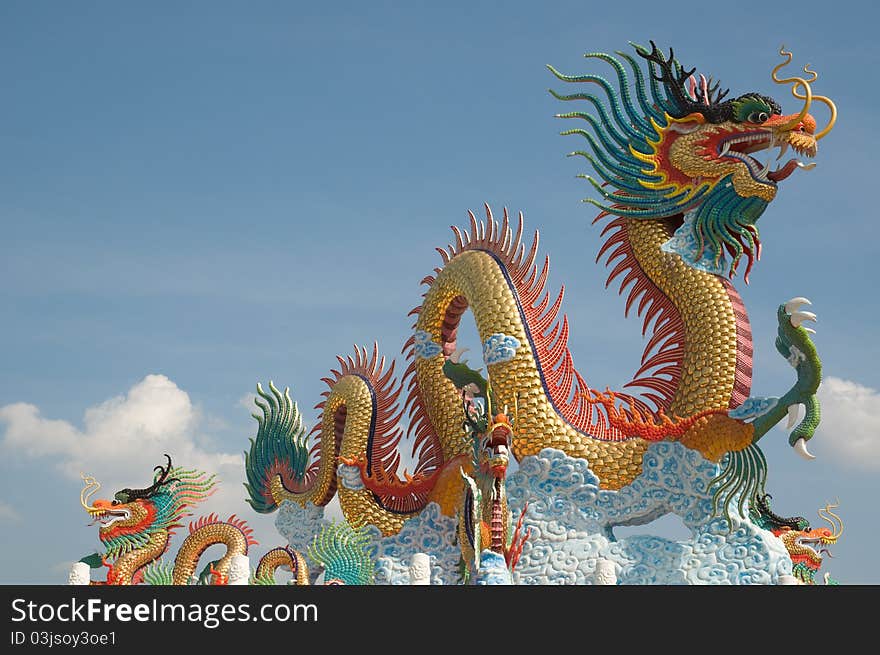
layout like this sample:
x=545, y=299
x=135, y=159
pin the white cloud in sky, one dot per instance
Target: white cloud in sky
x=851, y=422
x=123, y=438
x=8, y=513
x=247, y=401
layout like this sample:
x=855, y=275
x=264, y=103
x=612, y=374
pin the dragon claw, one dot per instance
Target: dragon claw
x=794, y=344
x=800, y=447
x=456, y=355
x=798, y=317
x=795, y=304
x=793, y=411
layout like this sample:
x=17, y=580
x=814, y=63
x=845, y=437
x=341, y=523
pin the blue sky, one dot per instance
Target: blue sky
x=198, y=196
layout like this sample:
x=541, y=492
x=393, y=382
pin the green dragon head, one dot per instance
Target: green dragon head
x=686, y=153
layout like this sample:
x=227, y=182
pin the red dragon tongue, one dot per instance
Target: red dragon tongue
x=499, y=470
x=783, y=172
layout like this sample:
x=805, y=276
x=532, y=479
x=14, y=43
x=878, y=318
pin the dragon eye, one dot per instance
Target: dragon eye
x=115, y=502
x=758, y=117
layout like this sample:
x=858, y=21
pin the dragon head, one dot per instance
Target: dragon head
x=806, y=546
x=131, y=519
x=688, y=154
x=493, y=452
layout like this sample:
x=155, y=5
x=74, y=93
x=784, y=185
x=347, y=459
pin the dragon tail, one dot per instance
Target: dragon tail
x=356, y=441
x=279, y=449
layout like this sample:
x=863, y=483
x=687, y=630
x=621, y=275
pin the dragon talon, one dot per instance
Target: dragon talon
x=795, y=303
x=793, y=412
x=455, y=357
x=799, y=317
x=800, y=447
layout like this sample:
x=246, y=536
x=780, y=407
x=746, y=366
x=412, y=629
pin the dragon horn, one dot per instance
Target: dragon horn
x=160, y=480
x=90, y=488
x=831, y=517
x=815, y=75
x=823, y=99
x=797, y=81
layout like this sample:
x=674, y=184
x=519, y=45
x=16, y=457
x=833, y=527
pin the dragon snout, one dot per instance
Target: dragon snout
x=784, y=124
x=801, y=138
x=106, y=512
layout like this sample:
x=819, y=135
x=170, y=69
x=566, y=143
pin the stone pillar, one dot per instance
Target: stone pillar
x=420, y=569
x=606, y=572
x=80, y=574
x=239, y=570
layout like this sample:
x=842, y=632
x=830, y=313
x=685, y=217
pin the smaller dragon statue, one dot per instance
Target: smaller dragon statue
x=136, y=528
x=484, y=531
x=805, y=545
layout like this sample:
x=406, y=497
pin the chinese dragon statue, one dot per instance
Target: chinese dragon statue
x=484, y=524
x=681, y=189
x=136, y=527
x=807, y=546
